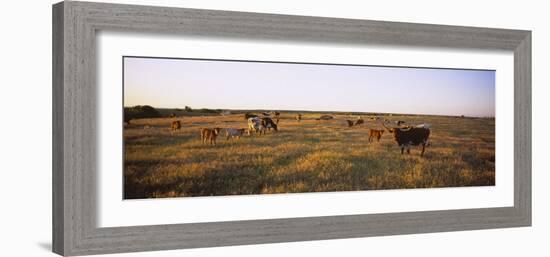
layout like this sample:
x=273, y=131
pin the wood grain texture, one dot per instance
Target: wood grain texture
x=74, y=120
x=58, y=229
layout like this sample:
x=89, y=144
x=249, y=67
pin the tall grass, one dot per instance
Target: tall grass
x=306, y=156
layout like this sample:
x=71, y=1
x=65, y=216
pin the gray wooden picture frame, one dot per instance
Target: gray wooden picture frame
x=75, y=25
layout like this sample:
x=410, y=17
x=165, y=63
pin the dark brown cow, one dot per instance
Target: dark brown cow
x=269, y=124
x=409, y=135
x=277, y=116
x=325, y=117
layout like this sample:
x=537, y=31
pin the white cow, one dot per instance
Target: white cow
x=234, y=133
x=255, y=124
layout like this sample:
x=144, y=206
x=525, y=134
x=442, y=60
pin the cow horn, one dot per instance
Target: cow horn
x=406, y=128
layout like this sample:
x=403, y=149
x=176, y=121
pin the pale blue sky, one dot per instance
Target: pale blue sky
x=175, y=83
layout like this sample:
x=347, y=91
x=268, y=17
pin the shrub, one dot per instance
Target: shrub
x=140, y=112
x=205, y=110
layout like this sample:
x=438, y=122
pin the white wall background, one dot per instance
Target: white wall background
x=25, y=146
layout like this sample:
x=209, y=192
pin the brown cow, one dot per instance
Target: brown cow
x=176, y=125
x=277, y=117
x=208, y=134
x=375, y=133
x=350, y=123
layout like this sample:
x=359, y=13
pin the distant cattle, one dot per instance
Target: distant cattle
x=176, y=125
x=350, y=123
x=269, y=124
x=255, y=125
x=209, y=135
x=298, y=117
x=234, y=133
x=325, y=117
x=359, y=121
x=277, y=115
x=375, y=133
x=172, y=115
x=408, y=136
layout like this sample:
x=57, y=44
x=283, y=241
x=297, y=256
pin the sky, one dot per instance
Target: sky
x=217, y=84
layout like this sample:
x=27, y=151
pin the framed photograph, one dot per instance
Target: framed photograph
x=181, y=128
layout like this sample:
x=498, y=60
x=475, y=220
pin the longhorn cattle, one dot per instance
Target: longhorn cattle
x=409, y=135
x=325, y=117
x=359, y=121
x=176, y=125
x=375, y=133
x=208, y=134
x=255, y=125
x=277, y=116
x=234, y=133
x=269, y=124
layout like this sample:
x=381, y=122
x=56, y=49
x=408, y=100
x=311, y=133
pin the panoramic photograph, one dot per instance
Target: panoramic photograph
x=200, y=127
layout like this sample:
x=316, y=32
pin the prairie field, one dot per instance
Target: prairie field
x=303, y=156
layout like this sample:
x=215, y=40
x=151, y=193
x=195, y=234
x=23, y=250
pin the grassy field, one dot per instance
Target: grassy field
x=306, y=156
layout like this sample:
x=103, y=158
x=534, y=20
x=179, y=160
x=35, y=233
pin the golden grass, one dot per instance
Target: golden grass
x=306, y=156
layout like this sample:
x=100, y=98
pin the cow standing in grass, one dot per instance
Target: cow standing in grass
x=234, y=133
x=269, y=124
x=176, y=125
x=359, y=121
x=277, y=117
x=375, y=133
x=409, y=135
x=255, y=125
x=208, y=134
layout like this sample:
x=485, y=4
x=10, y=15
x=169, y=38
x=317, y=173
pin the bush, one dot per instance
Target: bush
x=205, y=110
x=140, y=112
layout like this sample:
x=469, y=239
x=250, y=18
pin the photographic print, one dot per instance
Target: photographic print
x=199, y=127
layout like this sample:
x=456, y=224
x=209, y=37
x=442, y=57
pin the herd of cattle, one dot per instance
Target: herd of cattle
x=404, y=135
